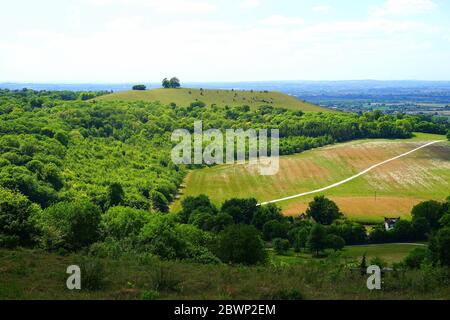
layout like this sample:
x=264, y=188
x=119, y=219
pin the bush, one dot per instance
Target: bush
x=140, y=87
x=16, y=219
x=440, y=247
x=200, y=104
x=93, y=274
x=377, y=261
x=241, y=244
x=123, y=222
x=286, y=295
x=415, y=258
x=281, y=246
x=70, y=225
x=150, y=295
x=335, y=242
x=275, y=229
x=160, y=238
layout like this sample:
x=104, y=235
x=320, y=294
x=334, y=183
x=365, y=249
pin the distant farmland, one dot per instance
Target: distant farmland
x=390, y=190
x=221, y=98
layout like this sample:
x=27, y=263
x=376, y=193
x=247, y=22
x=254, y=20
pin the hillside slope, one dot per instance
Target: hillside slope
x=392, y=189
x=221, y=98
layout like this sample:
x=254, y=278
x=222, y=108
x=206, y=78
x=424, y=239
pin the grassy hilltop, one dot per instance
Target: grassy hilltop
x=221, y=98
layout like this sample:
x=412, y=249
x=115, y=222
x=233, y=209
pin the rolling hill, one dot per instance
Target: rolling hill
x=221, y=98
x=392, y=189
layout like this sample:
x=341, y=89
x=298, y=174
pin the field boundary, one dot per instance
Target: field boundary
x=352, y=177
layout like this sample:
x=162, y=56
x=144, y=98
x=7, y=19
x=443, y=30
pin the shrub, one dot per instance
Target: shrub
x=16, y=219
x=440, y=247
x=377, y=261
x=93, y=274
x=335, y=242
x=123, y=222
x=275, y=229
x=160, y=238
x=150, y=295
x=287, y=295
x=241, y=244
x=415, y=258
x=164, y=279
x=70, y=225
x=281, y=246
x=199, y=104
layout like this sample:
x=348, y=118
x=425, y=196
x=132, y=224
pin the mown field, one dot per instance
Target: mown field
x=221, y=98
x=389, y=253
x=32, y=274
x=390, y=190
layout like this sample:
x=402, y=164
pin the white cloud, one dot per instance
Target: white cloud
x=403, y=7
x=250, y=4
x=161, y=6
x=321, y=9
x=278, y=21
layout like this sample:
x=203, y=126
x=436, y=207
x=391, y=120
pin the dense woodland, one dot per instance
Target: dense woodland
x=78, y=174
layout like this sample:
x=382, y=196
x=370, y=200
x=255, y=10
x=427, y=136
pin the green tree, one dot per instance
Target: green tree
x=159, y=202
x=275, y=229
x=115, y=194
x=16, y=219
x=301, y=239
x=335, y=242
x=440, y=247
x=281, y=246
x=175, y=83
x=241, y=244
x=242, y=210
x=166, y=83
x=323, y=210
x=70, y=225
x=140, y=87
x=317, y=241
x=122, y=222
x=265, y=214
x=432, y=211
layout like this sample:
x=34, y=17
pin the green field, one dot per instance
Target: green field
x=221, y=98
x=390, y=190
x=389, y=253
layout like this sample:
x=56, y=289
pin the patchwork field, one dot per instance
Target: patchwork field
x=389, y=190
x=221, y=98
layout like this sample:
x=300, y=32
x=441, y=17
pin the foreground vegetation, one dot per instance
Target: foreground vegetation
x=94, y=180
x=38, y=275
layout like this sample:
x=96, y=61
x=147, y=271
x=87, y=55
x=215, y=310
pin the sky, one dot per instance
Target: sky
x=118, y=41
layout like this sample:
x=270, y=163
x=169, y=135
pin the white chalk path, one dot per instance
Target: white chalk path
x=352, y=177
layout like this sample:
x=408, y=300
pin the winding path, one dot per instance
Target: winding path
x=352, y=177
